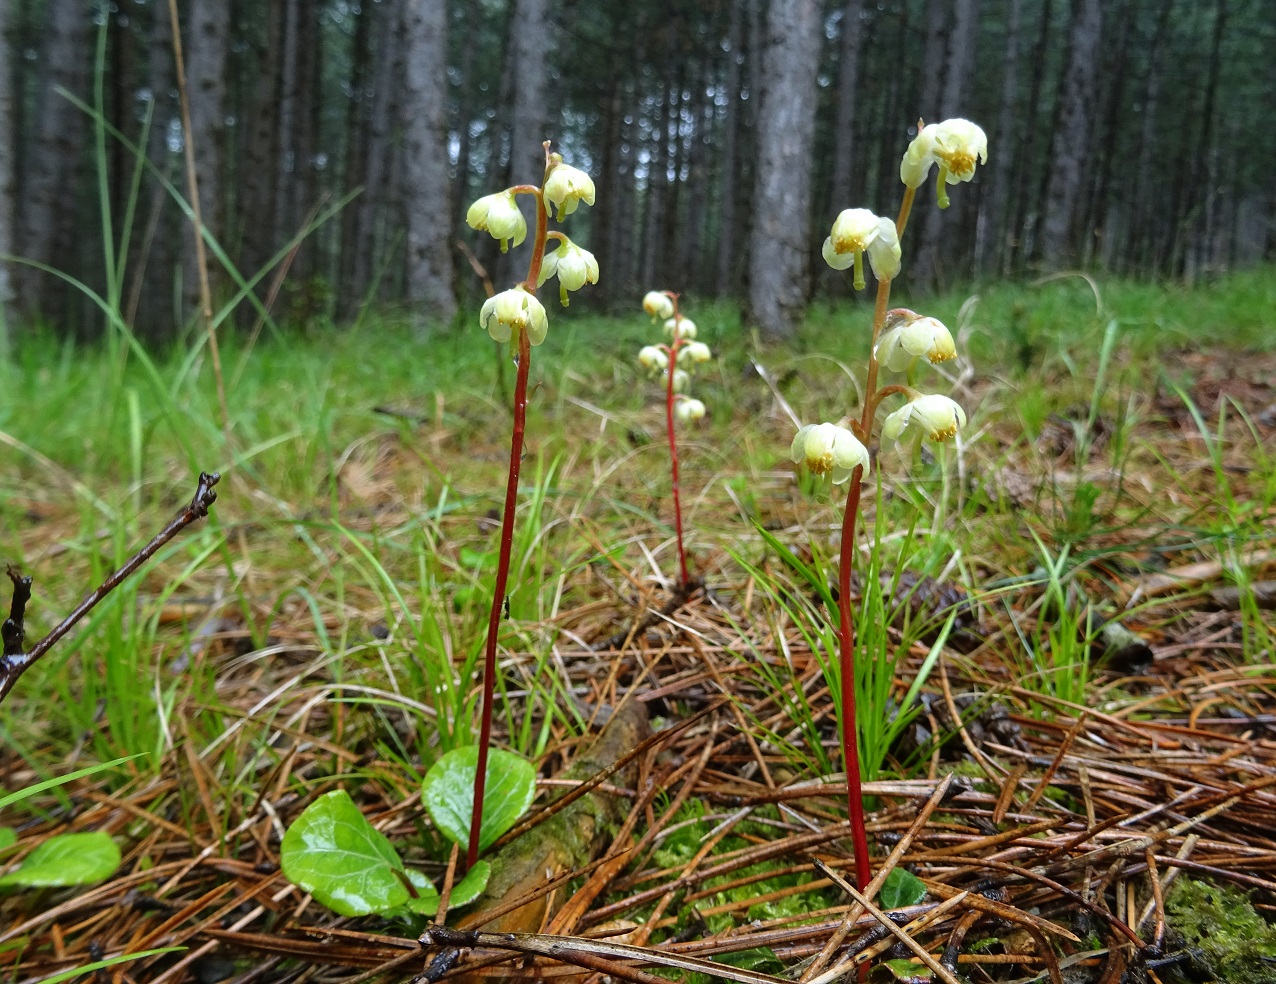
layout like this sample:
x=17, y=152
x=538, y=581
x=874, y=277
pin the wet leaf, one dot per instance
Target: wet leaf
x=448, y=793
x=901, y=888
x=463, y=892
x=67, y=859
x=333, y=853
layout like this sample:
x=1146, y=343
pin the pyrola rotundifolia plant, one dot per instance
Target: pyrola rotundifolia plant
x=902, y=340
x=674, y=361
x=516, y=316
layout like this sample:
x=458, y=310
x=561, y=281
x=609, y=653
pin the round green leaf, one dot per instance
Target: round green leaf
x=463, y=892
x=67, y=859
x=333, y=853
x=901, y=888
x=448, y=793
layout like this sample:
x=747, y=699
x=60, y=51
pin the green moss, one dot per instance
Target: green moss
x=1235, y=943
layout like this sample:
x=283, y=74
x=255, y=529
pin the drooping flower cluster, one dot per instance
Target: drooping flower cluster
x=681, y=353
x=511, y=311
x=903, y=339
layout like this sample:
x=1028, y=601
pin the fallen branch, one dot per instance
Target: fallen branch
x=14, y=661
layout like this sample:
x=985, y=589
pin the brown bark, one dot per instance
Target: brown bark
x=429, y=254
x=725, y=266
x=207, y=39
x=7, y=174
x=934, y=226
x=1071, y=140
x=528, y=54
x=260, y=176
x=852, y=41
x=780, y=245
x=56, y=165
x=992, y=239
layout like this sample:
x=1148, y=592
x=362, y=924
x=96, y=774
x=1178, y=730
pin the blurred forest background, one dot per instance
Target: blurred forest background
x=1128, y=136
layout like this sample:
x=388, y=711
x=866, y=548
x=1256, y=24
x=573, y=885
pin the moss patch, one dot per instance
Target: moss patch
x=1234, y=942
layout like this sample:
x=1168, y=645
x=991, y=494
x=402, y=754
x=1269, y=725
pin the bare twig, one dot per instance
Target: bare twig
x=14, y=661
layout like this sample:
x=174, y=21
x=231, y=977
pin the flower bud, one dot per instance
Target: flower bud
x=857, y=231
x=828, y=449
x=566, y=187
x=657, y=304
x=926, y=338
x=688, y=410
x=514, y=310
x=498, y=215
x=653, y=358
x=695, y=352
x=680, y=327
x=932, y=416
x=680, y=380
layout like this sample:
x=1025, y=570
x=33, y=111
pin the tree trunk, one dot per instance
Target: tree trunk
x=1142, y=240
x=844, y=119
x=1022, y=215
x=205, y=48
x=429, y=259
x=932, y=224
x=152, y=306
x=724, y=281
x=992, y=238
x=7, y=173
x=259, y=181
x=55, y=168
x=781, y=241
x=529, y=53
x=1070, y=145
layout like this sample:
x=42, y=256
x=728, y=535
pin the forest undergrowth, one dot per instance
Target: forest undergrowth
x=1067, y=701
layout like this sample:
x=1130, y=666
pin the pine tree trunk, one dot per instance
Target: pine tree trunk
x=259, y=180
x=529, y=53
x=7, y=171
x=844, y=119
x=426, y=185
x=780, y=245
x=992, y=239
x=934, y=226
x=1022, y=214
x=55, y=168
x=724, y=280
x=205, y=48
x=1070, y=146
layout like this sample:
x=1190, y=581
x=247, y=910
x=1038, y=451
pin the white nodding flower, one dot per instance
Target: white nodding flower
x=919, y=338
x=658, y=304
x=566, y=187
x=680, y=327
x=680, y=379
x=499, y=216
x=574, y=267
x=857, y=231
x=514, y=309
x=829, y=449
x=688, y=410
x=954, y=145
x=653, y=358
x=695, y=352
x=932, y=416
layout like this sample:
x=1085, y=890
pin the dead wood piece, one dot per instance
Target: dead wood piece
x=1263, y=594
x=566, y=841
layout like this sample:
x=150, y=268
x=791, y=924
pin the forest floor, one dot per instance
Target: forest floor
x=1082, y=788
